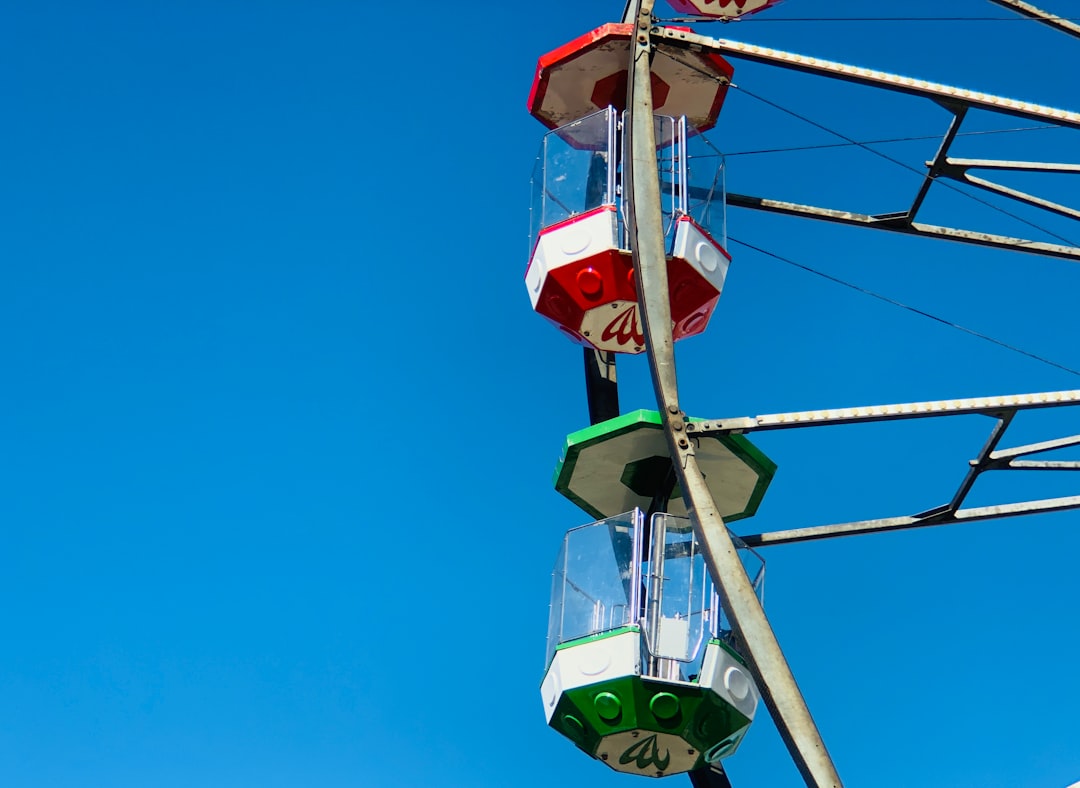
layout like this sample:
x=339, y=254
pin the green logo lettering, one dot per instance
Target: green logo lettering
x=645, y=752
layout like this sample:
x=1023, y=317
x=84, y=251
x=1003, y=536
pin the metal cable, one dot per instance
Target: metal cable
x=882, y=142
x=907, y=307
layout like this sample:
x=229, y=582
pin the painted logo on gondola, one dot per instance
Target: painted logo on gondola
x=723, y=8
x=646, y=752
x=624, y=328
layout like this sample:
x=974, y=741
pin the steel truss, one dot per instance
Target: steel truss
x=989, y=458
x=957, y=101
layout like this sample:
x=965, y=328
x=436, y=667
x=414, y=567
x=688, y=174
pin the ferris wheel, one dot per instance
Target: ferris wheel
x=659, y=650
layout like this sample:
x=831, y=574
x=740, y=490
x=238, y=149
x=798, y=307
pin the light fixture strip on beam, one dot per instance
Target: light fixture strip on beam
x=905, y=410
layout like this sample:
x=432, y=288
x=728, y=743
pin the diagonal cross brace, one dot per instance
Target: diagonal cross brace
x=1002, y=408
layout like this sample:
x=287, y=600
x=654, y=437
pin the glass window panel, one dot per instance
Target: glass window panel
x=595, y=583
x=680, y=596
x=682, y=608
x=669, y=159
x=573, y=173
x=580, y=164
x=706, y=200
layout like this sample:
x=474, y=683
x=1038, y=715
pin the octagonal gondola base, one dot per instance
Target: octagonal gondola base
x=620, y=464
x=590, y=73
x=721, y=9
x=583, y=282
x=594, y=695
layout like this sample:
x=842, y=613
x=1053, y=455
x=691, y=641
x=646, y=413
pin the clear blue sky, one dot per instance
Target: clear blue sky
x=277, y=424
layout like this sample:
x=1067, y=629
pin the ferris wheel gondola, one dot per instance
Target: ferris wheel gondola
x=607, y=266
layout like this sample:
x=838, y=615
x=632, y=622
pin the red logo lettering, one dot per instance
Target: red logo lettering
x=624, y=328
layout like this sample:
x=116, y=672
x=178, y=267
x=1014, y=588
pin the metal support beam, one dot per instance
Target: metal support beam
x=1001, y=408
x=601, y=385
x=986, y=406
x=775, y=680
x=934, y=167
x=955, y=100
x=915, y=521
x=1019, y=196
x=898, y=223
x=1005, y=456
x=1031, y=12
x=979, y=464
x=1045, y=465
x=1019, y=166
x=957, y=169
x=710, y=777
x=880, y=79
